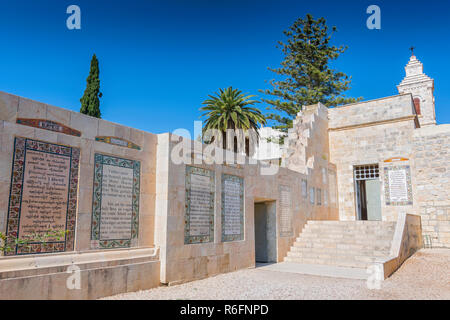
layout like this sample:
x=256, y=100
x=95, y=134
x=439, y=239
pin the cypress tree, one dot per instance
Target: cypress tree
x=90, y=102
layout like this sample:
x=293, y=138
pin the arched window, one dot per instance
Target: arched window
x=417, y=105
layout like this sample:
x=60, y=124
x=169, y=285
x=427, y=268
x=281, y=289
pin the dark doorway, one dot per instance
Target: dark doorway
x=368, y=192
x=265, y=232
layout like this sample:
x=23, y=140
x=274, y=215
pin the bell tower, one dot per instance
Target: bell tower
x=422, y=89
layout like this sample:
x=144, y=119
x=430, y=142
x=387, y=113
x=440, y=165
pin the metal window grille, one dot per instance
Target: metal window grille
x=367, y=172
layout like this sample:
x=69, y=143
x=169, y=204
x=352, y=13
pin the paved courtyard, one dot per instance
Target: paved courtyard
x=426, y=275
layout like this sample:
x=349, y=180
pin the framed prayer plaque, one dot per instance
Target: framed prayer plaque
x=115, y=207
x=397, y=185
x=232, y=208
x=199, y=214
x=43, y=197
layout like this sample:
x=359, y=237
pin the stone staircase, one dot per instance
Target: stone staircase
x=351, y=244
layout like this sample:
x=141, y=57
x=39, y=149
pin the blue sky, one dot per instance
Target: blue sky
x=160, y=59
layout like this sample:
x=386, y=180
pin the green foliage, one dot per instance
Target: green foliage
x=50, y=235
x=90, y=102
x=306, y=76
x=231, y=109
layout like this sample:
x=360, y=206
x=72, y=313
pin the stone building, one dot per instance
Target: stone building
x=359, y=186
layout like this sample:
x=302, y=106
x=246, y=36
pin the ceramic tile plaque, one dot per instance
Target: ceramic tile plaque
x=397, y=185
x=49, y=125
x=232, y=208
x=285, y=212
x=118, y=142
x=115, y=207
x=43, y=196
x=199, y=214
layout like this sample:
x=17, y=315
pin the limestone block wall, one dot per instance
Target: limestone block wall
x=162, y=192
x=397, y=108
x=14, y=107
x=182, y=262
x=134, y=267
x=307, y=152
x=307, y=142
x=370, y=133
x=432, y=174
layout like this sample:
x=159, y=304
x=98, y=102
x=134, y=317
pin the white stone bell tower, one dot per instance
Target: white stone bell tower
x=422, y=89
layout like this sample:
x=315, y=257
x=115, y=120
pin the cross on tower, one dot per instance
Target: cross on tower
x=412, y=50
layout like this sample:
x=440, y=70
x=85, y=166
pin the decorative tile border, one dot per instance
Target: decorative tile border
x=408, y=185
x=48, y=125
x=240, y=181
x=97, y=242
x=188, y=239
x=285, y=217
x=21, y=145
x=118, y=142
x=396, y=159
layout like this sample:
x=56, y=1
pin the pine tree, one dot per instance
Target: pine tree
x=90, y=102
x=305, y=74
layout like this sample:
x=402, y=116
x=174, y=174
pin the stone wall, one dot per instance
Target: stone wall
x=14, y=107
x=432, y=174
x=47, y=126
x=395, y=108
x=161, y=208
x=406, y=241
x=181, y=261
x=356, y=139
x=307, y=151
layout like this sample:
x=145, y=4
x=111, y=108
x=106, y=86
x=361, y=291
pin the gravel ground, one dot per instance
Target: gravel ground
x=426, y=275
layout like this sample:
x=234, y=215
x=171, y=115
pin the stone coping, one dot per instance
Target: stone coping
x=373, y=100
x=42, y=264
x=432, y=130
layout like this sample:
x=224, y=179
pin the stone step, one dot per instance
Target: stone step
x=345, y=231
x=375, y=251
x=346, y=236
x=352, y=223
x=350, y=226
x=337, y=253
x=342, y=263
x=353, y=244
x=336, y=259
x=370, y=242
x=339, y=247
x=348, y=230
x=344, y=227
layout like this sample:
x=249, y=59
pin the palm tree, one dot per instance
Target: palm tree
x=231, y=109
